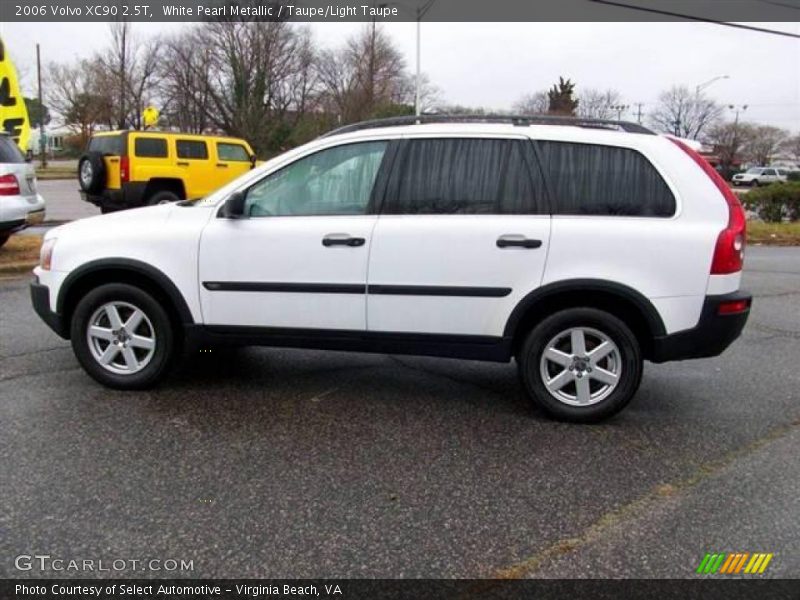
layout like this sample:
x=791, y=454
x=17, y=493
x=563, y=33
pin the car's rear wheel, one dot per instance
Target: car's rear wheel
x=581, y=365
x=122, y=336
x=3, y=239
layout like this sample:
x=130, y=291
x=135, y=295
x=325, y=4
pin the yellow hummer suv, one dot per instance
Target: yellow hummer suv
x=125, y=169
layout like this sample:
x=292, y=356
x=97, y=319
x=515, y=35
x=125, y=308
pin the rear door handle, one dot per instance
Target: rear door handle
x=517, y=241
x=342, y=239
x=223, y=165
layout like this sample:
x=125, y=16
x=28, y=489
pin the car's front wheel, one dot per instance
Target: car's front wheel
x=581, y=365
x=122, y=336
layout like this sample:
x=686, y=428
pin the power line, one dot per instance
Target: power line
x=668, y=13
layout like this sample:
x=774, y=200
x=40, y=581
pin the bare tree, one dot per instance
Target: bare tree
x=73, y=93
x=764, y=142
x=728, y=141
x=685, y=113
x=792, y=146
x=364, y=77
x=128, y=69
x=537, y=103
x=597, y=104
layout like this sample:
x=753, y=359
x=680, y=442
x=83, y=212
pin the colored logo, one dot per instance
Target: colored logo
x=734, y=563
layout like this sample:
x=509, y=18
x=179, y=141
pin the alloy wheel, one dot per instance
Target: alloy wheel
x=121, y=338
x=581, y=366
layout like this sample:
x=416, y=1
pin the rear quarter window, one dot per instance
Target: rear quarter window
x=232, y=152
x=106, y=145
x=145, y=147
x=592, y=179
x=9, y=152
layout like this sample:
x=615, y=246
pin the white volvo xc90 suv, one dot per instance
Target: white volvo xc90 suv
x=579, y=248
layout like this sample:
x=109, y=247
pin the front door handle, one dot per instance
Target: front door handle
x=517, y=241
x=182, y=163
x=342, y=239
x=222, y=165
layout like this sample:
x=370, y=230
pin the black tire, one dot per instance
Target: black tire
x=3, y=239
x=162, y=197
x=164, y=335
x=97, y=172
x=754, y=183
x=629, y=359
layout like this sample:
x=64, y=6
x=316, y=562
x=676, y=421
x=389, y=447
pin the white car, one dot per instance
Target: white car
x=20, y=204
x=578, y=248
x=755, y=176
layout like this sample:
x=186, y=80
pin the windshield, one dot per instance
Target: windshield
x=754, y=170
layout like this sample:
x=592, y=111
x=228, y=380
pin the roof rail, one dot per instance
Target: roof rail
x=518, y=120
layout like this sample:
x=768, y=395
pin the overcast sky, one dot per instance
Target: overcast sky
x=493, y=64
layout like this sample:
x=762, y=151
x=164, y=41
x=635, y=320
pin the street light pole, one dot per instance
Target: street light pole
x=701, y=86
x=736, y=110
x=421, y=11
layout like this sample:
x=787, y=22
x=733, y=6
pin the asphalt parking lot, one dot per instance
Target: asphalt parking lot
x=275, y=463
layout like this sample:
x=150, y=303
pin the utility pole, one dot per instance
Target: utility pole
x=42, y=139
x=639, y=106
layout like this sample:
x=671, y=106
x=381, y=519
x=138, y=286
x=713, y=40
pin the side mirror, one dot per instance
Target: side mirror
x=234, y=206
x=253, y=160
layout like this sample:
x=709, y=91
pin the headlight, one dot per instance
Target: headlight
x=46, y=253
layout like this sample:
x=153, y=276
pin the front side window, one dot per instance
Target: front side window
x=145, y=147
x=335, y=181
x=232, y=152
x=463, y=176
x=591, y=179
x=191, y=149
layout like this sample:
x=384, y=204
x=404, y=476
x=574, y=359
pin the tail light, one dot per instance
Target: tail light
x=124, y=170
x=729, y=251
x=9, y=186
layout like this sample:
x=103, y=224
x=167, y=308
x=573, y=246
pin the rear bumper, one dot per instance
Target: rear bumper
x=40, y=298
x=130, y=195
x=17, y=212
x=712, y=334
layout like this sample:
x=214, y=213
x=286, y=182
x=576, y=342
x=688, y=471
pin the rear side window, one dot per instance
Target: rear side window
x=232, y=152
x=106, y=145
x=590, y=179
x=463, y=176
x=191, y=149
x=145, y=147
x=9, y=151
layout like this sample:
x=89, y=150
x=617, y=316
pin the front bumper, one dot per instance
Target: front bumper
x=40, y=298
x=712, y=334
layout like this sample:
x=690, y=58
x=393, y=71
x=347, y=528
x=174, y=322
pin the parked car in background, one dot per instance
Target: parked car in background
x=20, y=203
x=126, y=169
x=755, y=176
x=474, y=240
